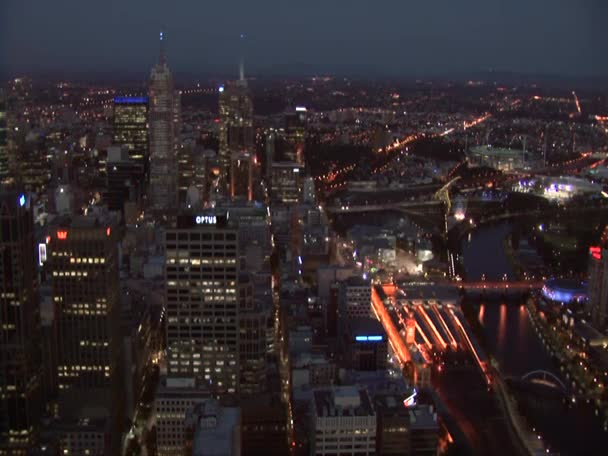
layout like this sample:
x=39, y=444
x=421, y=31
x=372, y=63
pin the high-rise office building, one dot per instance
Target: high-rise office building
x=295, y=130
x=20, y=352
x=241, y=175
x=164, y=135
x=236, y=122
x=269, y=155
x=598, y=282
x=216, y=329
x=122, y=176
x=253, y=319
x=83, y=263
x=356, y=297
x=34, y=165
x=131, y=130
x=202, y=302
x=5, y=176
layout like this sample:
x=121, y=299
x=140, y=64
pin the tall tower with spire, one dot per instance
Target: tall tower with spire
x=236, y=122
x=164, y=117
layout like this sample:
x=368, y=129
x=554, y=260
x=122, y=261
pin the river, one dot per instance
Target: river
x=513, y=342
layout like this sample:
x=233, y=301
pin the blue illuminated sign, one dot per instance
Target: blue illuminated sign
x=130, y=100
x=368, y=338
x=22, y=200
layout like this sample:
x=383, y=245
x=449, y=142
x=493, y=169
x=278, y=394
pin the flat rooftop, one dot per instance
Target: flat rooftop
x=342, y=401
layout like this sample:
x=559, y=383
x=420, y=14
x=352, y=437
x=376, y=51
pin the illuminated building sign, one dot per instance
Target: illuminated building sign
x=300, y=109
x=368, y=338
x=130, y=100
x=22, y=200
x=596, y=252
x=41, y=253
x=410, y=401
x=220, y=89
x=206, y=219
x=62, y=235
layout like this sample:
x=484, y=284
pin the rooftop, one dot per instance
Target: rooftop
x=342, y=401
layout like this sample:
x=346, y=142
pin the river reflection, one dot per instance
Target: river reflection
x=513, y=342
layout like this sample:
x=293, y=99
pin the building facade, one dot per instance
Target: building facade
x=20, y=352
x=597, y=287
x=344, y=422
x=355, y=297
x=202, y=305
x=131, y=130
x=165, y=117
x=236, y=123
x=83, y=263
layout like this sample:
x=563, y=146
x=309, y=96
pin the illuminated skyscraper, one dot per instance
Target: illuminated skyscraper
x=236, y=122
x=131, y=130
x=83, y=264
x=164, y=135
x=295, y=129
x=20, y=352
x=202, y=274
x=216, y=332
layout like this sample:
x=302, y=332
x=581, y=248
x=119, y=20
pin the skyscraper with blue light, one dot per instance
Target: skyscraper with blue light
x=131, y=130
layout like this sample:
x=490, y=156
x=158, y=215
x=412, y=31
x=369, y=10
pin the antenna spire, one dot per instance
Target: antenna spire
x=242, y=61
x=163, y=58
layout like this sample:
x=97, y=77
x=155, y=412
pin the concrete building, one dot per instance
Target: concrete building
x=344, y=422
x=174, y=399
x=355, y=297
x=213, y=429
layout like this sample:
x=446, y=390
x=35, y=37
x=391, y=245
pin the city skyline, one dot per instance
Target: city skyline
x=395, y=39
x=203, y=260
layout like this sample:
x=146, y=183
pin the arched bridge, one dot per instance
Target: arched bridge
x=544, y=377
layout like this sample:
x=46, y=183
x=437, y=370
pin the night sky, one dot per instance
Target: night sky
x=367, y=37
